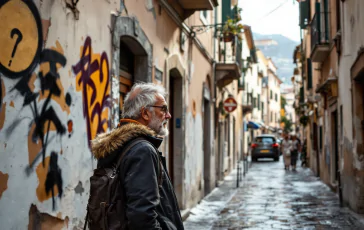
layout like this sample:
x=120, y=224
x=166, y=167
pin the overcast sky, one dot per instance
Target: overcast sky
x=272, y=17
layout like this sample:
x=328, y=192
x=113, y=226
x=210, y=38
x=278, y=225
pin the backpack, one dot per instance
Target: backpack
x=106, y=203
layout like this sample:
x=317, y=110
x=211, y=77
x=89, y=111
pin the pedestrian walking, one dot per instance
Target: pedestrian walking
x=144, y=197
x=286, y=151
x=295, y=148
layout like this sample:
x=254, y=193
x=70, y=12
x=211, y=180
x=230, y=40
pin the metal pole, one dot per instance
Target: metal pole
x=237, y=176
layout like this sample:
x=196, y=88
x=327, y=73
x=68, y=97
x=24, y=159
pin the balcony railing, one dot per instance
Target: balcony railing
x=232, y=52
x=319, y=35
x=229, y=66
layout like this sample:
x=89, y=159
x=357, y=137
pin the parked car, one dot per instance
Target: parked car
x=265, y=146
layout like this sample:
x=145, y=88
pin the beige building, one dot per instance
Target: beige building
x=67, y=81
x=332, y=94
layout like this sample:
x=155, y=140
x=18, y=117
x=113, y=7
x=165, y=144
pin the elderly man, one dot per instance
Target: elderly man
x=150, y=201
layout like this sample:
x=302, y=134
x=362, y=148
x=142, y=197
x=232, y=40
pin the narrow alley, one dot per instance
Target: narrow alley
x=271, y=198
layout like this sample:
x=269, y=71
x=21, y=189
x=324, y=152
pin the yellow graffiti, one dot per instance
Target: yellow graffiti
x=92, y=79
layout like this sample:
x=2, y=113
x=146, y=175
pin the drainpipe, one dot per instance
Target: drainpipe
x=215, y=119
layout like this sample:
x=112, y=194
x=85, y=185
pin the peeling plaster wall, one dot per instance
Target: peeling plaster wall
x=194, y=183
x=22, y=174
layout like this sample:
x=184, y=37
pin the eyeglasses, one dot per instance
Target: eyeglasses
x=164, y=108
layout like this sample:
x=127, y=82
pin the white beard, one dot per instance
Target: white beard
x=160, y=127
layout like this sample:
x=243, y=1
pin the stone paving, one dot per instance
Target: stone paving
x=271, y=198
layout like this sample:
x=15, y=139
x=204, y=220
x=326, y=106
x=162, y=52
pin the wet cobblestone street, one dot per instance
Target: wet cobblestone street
x=271, y=198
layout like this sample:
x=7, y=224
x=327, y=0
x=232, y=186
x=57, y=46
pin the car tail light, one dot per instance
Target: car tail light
x=275, y=145
x=254, y=145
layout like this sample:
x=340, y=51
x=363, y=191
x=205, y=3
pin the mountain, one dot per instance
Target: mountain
x=280, y=49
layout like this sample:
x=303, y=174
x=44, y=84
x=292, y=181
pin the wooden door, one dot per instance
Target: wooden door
x=125, y=84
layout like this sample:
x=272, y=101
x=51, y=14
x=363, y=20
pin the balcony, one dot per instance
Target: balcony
x=179, y=10
x=198, y=4
x=229, y=66
x=329, y=87
x=319, y=36
x=247, y=103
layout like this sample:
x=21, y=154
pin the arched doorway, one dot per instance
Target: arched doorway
x=131, y=62
x=126, y=72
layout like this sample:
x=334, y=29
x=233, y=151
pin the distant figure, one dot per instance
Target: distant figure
x=286, y=151
x=295, y=148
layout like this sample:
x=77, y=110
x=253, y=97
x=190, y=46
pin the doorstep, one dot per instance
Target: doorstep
x=185, y=213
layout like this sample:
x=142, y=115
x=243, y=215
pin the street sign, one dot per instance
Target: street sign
x=230, y=104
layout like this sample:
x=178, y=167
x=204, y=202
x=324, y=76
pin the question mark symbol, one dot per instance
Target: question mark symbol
x=18, y=40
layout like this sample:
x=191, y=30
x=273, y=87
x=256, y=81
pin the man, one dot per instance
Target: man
x=149, y=196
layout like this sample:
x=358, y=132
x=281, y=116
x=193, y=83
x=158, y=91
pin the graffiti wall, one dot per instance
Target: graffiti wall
x=54, y=99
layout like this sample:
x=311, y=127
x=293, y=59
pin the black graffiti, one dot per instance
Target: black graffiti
x=44, y=114
x=18, y=40
x=40, y=102
x=54, y=177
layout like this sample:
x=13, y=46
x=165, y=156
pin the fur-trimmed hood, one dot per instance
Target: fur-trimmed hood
x=106, y=143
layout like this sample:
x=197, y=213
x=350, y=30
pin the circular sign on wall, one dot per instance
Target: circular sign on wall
x=20, y=37
x=230, y=104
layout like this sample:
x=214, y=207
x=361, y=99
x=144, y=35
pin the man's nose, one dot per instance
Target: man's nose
x=168, y=115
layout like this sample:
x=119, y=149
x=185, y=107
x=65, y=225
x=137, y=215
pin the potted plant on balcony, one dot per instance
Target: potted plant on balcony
x=233, y=26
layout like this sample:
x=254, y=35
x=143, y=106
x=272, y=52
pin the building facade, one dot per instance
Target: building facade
x=64, y=72
x=331, y=96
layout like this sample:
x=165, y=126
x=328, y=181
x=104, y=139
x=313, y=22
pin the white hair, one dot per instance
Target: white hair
x=140, y=95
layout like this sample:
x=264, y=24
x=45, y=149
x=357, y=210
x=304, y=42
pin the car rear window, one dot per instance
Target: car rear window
x=269, y=140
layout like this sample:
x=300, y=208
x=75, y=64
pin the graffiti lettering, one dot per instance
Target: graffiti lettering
x=44, y=117
x=92, y=76
x=21, y=42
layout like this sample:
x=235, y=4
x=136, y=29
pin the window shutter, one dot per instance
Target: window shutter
x=226, y=10
x=309, y=73
x=302, y=99
x=304, y=13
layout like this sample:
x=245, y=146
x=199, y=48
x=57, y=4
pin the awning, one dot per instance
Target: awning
x=261, y=124
x=253, y=125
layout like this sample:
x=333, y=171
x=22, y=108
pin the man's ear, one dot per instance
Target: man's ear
x=145, y=114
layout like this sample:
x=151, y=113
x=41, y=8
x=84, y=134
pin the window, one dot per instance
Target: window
x=276, y=97
x=271, y=94
x=309, y=74
x=271, y=116
x=338, y=20
x=205, y=17
x=266, y=140
x=259, y=101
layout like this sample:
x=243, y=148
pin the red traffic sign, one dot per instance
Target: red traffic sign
x=230, y=104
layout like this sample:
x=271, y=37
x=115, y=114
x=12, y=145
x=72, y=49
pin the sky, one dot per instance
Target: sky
x=272, y=17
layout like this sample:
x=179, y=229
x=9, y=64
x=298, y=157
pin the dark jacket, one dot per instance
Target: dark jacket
x=148, y=206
